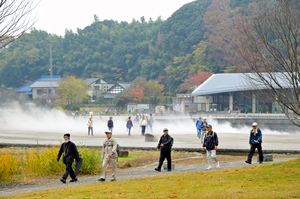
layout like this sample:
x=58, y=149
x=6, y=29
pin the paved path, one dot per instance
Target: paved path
x=140, y=172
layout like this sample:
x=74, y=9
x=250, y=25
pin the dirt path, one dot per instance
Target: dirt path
x=132, y=173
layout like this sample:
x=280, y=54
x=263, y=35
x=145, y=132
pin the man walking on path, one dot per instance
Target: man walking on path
x=143, y=124
x=109, y=156
x=110, y=124
x=255, y=141
x=129, y=125
x=211, y=143
x=198, y=127
x=70, y=152
x=90, y=126
x=165, y=145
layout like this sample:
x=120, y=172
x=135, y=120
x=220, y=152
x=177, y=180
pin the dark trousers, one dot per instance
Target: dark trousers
x=90, y=129
x=252, y=150
x=163, y=156
x=143, y=130
x=69, y=170
x=129, y=129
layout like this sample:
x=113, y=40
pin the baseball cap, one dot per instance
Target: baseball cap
x=165, y=129
x=108, y=131
x=254, y=124
x=209, y=126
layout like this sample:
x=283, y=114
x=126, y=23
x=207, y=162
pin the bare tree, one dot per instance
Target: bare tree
x=14, y=19
x=269, y=45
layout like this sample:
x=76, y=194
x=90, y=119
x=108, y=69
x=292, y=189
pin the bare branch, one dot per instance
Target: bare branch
x=14, y=19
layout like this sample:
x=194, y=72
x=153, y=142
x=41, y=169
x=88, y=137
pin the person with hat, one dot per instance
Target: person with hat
x=70, y=152
x=165, y=145
x=211, y=143
x=255, y=141
x=109, y=156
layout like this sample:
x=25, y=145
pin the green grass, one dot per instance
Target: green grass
x=277, y=180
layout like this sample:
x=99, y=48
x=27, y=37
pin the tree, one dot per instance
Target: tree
x=72, y=90
x=193, y=81
x=270, y=48
x=14, y=19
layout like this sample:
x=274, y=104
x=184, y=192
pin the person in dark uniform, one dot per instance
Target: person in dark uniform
x=165, y=145
x=70, y=152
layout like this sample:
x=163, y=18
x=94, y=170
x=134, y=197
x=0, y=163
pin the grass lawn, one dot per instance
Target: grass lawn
x=277, y=180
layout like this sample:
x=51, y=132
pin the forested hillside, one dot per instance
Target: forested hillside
x=198, y=37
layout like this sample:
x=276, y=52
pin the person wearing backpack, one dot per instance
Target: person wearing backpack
x=109, y=156
x=211, y=143
x=165, y=145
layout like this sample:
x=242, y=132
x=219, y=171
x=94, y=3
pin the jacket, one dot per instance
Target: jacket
x=203, y=126
x=210, y=140
x=255, y=136
x=129, y=124
x=110, y=124
x=167, y=141
x=70, y=152
x=144, y=122
x=198, y=124
x=109, y=147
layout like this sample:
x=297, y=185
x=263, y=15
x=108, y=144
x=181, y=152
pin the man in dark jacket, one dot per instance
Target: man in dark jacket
x=70, y=152
x=211, y=143
x=255, y=141
x=110, y=124
x=165, y=145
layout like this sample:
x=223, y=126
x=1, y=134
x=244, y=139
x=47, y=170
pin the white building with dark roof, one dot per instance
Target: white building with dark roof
x=241, y=92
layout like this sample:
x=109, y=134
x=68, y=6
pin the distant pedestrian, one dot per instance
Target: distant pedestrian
x=90, y=126
x=110, y=124
x=198, y=127
x=165, y=145
x=129, y=125
x=210, y=144
x=203, y=129
x=255, y=141
x=143, y=124
x=150, y=122
x=109, y=156
x=70, y=152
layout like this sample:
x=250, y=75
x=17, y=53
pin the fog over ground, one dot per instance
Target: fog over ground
x=14, y=118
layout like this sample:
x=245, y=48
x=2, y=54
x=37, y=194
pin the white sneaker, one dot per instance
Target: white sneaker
x=209, y=167
x=218, y=165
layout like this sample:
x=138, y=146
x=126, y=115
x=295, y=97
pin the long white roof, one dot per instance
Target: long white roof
x=233, y=82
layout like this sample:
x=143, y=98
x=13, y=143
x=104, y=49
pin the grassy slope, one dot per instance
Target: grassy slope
x=278, y=180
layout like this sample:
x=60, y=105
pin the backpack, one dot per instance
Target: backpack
x=118, y=149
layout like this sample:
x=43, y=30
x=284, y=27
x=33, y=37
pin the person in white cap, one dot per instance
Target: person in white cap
x=255, y=141
x=109, y=156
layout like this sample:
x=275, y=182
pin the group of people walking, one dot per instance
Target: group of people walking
x=70, y=153
x=144, y=122
x=209, y=140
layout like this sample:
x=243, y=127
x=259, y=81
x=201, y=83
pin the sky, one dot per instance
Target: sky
x=55, y=16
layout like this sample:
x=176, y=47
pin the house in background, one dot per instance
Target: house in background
x=42, y=88
x=115, y=90
x=97, y=86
